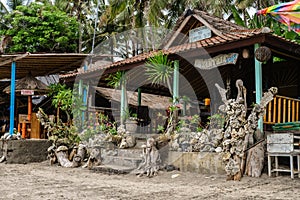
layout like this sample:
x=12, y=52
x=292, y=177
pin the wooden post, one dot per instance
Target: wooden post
x=85, y=96
x=23, y=129
x=297, y=110
x=289, y=110
x=176, y=82
x=274, y=109
x=284, y=111
x=123, y=100
x=139, y=96
x=29, y=107
x=258, y=85
x=12, y=98
x=293, y=110
x=279, y=110
x=269, y=112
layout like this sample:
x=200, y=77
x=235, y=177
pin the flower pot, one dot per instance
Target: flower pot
x=131, y=126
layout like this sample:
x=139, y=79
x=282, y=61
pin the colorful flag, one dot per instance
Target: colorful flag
x=286, y=13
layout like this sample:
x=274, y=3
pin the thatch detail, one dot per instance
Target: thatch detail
x=152, y=101
x=29, y=83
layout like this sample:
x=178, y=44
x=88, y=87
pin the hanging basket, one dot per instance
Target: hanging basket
x=263, y=54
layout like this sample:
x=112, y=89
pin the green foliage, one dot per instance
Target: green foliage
x=55, y=88
x=236, y=16
x=115, y=79
x=216, y=121
x=58, y=132
x=98, y=124
x=63, y=100
x=191, y=122
x=159, y=69
x=41, y=28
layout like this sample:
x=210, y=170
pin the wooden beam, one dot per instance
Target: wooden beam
x=205, y=23
x=13, y=59
x=178, y=31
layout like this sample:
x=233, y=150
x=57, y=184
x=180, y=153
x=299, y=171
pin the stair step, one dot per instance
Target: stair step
x=113, y=169
x=132, y=153
x=122, y=161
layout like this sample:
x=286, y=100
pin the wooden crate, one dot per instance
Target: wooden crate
x=280, y=143
x=35, y=127
x=283, y=144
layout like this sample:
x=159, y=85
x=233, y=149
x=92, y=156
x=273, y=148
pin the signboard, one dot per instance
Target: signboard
x=199, y=33
x=27, y=92
x=222, y=59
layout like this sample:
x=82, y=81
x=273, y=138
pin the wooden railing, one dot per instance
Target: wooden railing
x=282, y=109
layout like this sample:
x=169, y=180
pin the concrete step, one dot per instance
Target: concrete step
x=122, y=161
x=113, y=169
x=132, y=153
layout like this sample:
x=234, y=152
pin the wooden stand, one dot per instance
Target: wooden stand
x=285, y=144
x=277, y=169
x=29, y=129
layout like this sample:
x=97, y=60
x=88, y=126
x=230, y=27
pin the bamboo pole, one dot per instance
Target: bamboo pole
x=269, y=112
x=297, y=111
x=274, y=109
x=279, y=110
x=293, y=111
x=289, y=110
x=284, y=110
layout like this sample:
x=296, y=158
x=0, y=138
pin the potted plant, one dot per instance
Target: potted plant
x=131, y=123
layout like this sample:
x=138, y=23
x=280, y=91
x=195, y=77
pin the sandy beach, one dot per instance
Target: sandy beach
x=42, y=181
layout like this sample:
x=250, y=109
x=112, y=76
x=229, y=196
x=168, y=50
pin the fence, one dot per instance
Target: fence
x=282, y=109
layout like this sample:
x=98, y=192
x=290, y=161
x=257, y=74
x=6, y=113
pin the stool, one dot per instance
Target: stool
x=276, y=169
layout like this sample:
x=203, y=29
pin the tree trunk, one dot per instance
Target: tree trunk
x=94, y=159
x=80, y=155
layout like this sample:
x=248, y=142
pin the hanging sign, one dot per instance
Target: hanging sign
x=27, y=92
x=199, y=33
x=222, y=59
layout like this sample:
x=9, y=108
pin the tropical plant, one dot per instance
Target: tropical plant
x=159, y=69
x=98, y=123
x=115, y=80
x=40, y=28
x=63, y=101
x=58, y=132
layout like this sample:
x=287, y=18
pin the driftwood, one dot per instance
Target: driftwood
x=127, y=141
x=79, y=156
x=62, y=156
x=94, y=158
x=255, y=161
x=51, y=155
x=4, y=153
x=151, y=159
x=238, y=131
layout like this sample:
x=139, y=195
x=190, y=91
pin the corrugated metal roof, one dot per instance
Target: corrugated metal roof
x=40, y=64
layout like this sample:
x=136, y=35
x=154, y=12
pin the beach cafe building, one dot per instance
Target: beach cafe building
x=210, y=50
